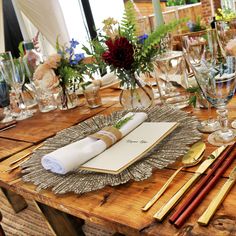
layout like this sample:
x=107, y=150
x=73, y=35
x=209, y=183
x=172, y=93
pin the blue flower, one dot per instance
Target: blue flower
x=77, y=58
x=142, y=38
x=69, y=50
x=73, y=43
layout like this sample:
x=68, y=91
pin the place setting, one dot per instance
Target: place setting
x=121, y=123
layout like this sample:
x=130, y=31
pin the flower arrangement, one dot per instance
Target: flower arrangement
x=125, y=52
x=62, y=73
x=64, y=68
x=71, y=68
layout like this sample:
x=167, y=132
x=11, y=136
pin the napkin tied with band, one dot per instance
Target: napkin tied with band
x=70, y=157
x=109, y=135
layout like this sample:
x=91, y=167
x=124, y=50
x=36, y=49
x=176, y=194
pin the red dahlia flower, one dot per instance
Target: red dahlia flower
x=120, y=53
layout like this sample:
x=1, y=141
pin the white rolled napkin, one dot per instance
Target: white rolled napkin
x=70, y=157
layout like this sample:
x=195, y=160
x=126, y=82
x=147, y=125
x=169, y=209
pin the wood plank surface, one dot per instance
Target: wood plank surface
x=44, y=125
x=119, y=208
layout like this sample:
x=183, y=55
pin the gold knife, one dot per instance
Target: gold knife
x=215, y=203
x=176, y=198
x=194, y=153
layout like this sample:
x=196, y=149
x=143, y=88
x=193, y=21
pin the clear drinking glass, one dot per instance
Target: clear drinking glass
x=92, y=95
x=167, y=66
x=194, y=49
x=216, y=76
x=45, y=98
x=171, y=66
x=14, y=75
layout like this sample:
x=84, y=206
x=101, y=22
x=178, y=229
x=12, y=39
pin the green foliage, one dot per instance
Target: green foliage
x=151, y=45
x=123, y=121
x=71, y=69
x=225, y=14
x=146, y=47
x=193, y=99
x=21, y=49
x=180, y=2
x=129, y=22
x=175, y=2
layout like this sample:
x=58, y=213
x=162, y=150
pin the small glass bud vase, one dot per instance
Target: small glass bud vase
x=67, y=98
x=136, y=94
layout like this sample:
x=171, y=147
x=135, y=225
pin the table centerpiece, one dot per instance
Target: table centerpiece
x=62, y=73
x=129, y=55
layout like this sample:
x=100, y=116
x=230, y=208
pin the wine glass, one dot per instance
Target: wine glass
x=5, y=100
x=166, y=65
x=194, y=48
x=216, y=77
x=14, y=76
x=172, y=65
x=227, y=35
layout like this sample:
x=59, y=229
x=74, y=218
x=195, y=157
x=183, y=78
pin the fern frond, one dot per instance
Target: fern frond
x=129, y=22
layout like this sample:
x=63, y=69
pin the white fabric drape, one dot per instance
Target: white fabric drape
x=46, y=16
x=2, y=41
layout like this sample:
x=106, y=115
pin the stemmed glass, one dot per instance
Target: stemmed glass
x=216, y=76
x=14, y=75
x=194, y=49
x=227, y=35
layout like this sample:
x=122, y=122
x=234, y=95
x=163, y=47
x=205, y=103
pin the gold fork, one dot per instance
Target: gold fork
x=26, y=155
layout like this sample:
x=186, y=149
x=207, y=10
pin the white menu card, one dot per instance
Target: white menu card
x=130, y=148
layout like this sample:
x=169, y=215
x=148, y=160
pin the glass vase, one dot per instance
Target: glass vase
x=67, y=99
x=136, y=93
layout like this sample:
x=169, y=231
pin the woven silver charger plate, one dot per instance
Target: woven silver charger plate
x=166, y=152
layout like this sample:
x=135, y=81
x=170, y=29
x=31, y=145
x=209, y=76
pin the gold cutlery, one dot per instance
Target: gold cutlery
x=26, y=155
x=201, y=169
x=215, y=203
x=191, y=158
x=14, y=167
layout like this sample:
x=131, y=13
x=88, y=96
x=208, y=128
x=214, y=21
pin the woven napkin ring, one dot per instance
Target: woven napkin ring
x=109, y=135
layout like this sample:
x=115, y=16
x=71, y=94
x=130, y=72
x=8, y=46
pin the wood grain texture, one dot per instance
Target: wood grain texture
x=44, y=125
x=119, y=208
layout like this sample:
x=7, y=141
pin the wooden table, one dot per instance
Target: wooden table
x=117, y=208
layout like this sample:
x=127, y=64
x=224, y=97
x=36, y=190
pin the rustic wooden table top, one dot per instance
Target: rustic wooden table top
x=117, y=208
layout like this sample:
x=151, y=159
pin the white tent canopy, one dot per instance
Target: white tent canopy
x=44, y=16
x=63, y=18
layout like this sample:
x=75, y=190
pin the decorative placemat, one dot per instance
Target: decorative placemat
x=166, y=152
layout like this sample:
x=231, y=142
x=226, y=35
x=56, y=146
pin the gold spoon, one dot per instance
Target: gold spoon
x=191, y=158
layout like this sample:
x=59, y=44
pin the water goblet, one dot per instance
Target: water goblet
x=227, y=35
x=14, y=76
x=216, y=77
x=194, y=48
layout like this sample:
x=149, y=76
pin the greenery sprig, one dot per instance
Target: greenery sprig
x=123, y=121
